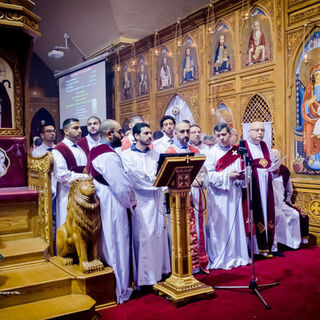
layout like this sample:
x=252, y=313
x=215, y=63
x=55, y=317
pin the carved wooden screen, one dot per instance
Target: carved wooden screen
x=257, y=110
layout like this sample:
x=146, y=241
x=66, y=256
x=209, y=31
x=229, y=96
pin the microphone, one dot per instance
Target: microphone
x=242, y=148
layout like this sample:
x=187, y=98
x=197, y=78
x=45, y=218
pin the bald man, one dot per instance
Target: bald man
x=116, y=195
x=262, y=191
x=128, y=140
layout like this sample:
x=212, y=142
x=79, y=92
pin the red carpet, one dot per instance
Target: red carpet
x=297, y=297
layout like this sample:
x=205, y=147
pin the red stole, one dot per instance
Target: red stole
x=261, y=229
x=230, y=157
x=69, y=157
x=83, y=144
x=193, y=149
x=94, y=153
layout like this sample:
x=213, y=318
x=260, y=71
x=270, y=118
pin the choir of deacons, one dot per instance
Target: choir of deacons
x=135, y=237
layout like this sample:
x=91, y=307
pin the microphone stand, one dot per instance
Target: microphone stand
x=253, y=286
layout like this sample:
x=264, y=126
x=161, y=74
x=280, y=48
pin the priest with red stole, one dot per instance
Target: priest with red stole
x=114, y=189
x=262, y=192
x=93, y=138
x=69, y=163
x=226, y=236
x=198, y=253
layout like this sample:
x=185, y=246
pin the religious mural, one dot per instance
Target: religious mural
x=307, y=131
x=189, y=61
x=6, y=95
x=165, y=70
x=126, y=83
x=257, y=39
x=222, y=114
x=179, y=109
x=222, y=50
x=4, y=162
x=142, y=77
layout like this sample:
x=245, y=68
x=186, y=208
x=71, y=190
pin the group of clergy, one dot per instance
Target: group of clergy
x=135, y=238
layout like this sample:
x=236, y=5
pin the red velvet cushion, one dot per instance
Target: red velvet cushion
x=18, y=194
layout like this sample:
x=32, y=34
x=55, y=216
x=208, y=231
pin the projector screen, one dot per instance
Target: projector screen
x=83, y=93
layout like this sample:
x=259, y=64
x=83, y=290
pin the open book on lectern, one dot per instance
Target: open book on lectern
x=168, y=162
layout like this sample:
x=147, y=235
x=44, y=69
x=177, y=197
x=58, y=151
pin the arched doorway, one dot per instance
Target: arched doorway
x=41, y=115
x=179, y=109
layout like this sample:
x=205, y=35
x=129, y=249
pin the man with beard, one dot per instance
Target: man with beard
x=93, y=137
x=150, y=238
x=226, y=236
x=116, y=195
x=257, y=45
x=69, y=162
x=197, y=243
x=167, y=124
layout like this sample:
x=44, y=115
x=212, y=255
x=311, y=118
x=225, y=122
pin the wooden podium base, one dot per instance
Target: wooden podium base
x=181, y=290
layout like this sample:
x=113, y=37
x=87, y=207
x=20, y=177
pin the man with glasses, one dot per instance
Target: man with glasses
x=114, y=189
x=48, y=136
x=262, y=192
x=93, y=138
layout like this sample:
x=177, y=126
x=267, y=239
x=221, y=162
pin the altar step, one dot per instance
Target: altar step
x=29, y=283
x=71, y=307
x=22, y=251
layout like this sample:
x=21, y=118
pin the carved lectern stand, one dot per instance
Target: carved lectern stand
x=178, y=173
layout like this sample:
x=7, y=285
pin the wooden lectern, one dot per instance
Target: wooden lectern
x=178, y=174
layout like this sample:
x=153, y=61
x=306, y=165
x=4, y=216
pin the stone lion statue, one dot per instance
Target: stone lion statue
x=81, y=231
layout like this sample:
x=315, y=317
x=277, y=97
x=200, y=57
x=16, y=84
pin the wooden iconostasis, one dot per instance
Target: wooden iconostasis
x=263, y=67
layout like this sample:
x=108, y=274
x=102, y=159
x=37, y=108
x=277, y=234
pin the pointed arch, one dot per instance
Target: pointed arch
x=41, y=115
x=165, y=74
x=179, y=109
x=257, y=109
x=189, y=67
x=257, y=40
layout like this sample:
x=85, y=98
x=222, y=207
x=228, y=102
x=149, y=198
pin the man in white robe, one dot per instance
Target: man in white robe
x=226, y=236
x=69, y=162
x=287, y=227
x=150, y=238
x=93, y=138
x=116, y=195
x=167, y=124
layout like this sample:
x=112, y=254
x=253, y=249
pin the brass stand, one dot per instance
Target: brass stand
x=181, y=286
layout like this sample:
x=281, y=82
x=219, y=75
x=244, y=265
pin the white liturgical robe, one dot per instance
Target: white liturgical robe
x=150, y=238
x=162, y=144
x=115, y=236
x=287, y=226
x=226, y=237
x=65, y=177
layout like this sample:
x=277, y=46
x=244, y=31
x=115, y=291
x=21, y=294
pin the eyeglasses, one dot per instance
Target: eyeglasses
x=50, y=131
x=118, y=131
